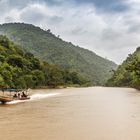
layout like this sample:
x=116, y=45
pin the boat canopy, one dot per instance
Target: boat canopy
x=10, y=90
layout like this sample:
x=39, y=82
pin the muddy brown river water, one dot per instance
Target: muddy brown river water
x=73, y=114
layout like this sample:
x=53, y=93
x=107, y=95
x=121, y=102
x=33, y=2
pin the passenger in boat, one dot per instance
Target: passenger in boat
x=19, y=95
x=23, y=94
x=15, y=95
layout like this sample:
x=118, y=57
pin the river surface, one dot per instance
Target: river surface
x=73, y=114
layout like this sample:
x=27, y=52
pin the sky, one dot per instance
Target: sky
x=110, y=28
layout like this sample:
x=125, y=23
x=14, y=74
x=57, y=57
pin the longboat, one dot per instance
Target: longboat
x=8, y=95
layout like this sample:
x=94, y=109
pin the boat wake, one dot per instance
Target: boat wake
x=35, y=97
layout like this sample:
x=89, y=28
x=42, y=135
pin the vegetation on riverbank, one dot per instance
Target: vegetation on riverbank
x=19, y=69
x=51, y=48
x=127, y=74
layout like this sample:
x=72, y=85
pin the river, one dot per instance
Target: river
x=94, y=113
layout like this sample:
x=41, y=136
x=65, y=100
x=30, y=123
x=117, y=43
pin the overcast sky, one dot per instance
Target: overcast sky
x=110, y=28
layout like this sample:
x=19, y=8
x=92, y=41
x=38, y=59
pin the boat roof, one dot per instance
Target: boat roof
x=11, y=89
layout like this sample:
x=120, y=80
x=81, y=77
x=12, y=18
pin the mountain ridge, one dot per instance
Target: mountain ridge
x=48, y=47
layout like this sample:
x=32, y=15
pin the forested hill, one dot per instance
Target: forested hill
x=20, y=69
x=46, y=46
x=127, y=74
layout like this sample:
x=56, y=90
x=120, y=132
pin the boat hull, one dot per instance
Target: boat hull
x=5, y=99
x=8, y=99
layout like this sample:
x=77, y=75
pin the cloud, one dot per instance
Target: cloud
x=108, y=27
x=107, y=5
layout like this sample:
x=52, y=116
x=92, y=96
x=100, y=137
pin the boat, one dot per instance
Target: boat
x=9, y=95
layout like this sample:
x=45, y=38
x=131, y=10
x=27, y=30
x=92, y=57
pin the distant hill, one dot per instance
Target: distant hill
x=47, y=47
x=128, y=73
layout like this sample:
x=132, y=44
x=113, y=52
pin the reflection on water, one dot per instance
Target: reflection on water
x=75, y=114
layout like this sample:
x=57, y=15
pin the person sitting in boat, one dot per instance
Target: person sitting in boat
x=15, y=95
x=23, y=94
x=19, y=95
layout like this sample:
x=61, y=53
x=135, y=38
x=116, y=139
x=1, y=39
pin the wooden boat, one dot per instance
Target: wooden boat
x=9, y=95
x=5, y=99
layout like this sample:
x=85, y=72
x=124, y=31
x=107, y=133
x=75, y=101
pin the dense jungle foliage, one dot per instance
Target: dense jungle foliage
x=127, y=74
x=51, y=48
x=19, y=69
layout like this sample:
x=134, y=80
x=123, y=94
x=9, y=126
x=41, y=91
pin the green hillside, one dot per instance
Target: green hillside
x=128, y=73
x=47, y=47
x=20, y=69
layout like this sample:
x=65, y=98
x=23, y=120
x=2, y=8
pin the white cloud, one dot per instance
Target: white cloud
x=111, y=35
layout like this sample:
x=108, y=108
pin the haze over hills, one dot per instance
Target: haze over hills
x=47, y=47
x=128, y=73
